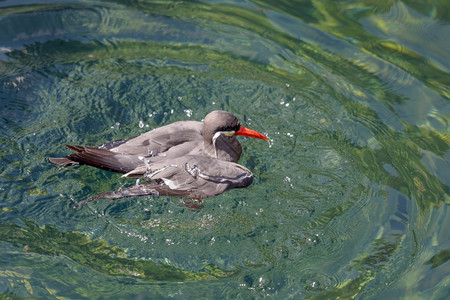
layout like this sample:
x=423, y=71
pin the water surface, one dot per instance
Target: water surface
x=350, y=197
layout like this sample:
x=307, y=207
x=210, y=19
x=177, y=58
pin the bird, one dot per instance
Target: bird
x=188, y=159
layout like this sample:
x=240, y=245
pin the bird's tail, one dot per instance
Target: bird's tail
x=62, y=161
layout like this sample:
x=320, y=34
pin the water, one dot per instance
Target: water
x=350, y=198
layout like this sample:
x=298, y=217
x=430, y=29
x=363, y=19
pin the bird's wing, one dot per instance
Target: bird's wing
x=103, y=159
x=162, y=139
x=174, y=140
x=202, y=176
x=134, y=191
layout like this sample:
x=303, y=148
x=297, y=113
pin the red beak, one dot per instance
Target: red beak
x=251, y=133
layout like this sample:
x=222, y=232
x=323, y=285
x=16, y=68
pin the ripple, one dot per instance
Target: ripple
x=438, y=122
x=83, y=21
x=408, y=28
x=316, y=282
x=320, y=204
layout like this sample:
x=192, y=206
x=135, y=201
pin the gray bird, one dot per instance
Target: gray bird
x=186, y=159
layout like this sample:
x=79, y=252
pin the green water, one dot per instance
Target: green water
x=350, y=197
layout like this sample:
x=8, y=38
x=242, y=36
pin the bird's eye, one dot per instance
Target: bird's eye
x=229, y=128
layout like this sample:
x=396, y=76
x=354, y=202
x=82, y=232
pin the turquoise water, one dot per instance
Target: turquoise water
x=350, y=197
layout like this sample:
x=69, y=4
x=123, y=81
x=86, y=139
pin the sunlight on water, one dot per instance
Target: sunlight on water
x=350, y=195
